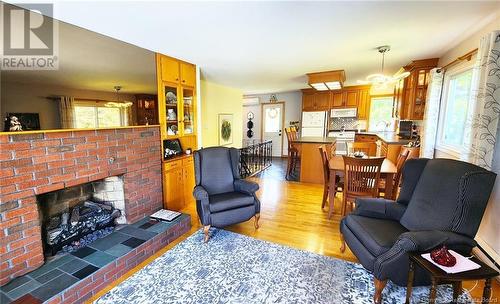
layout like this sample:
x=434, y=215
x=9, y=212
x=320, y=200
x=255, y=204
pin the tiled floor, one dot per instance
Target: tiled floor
x=60, y=273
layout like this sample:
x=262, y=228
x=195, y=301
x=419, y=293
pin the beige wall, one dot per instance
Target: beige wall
x=471, y=42
x=32, y=98
x=488, y=235
x=218, y=99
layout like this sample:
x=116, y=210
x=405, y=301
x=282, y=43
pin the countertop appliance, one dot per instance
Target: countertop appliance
x=314, y=123
x=406, y=129
x=347, y=112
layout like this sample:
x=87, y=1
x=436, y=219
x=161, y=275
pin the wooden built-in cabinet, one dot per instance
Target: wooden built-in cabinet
x=179, y=181
x=177, y=117
x=316, y=101
x=348, y=97
x=410, y=92
x=147, y=109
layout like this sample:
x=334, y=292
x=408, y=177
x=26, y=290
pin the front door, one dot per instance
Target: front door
x=272, y=126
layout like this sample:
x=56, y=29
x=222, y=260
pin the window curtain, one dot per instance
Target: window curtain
x=483, y=116
x=67, y=112
x=431, y=114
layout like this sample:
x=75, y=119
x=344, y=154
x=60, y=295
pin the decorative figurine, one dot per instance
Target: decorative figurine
x=15, y=124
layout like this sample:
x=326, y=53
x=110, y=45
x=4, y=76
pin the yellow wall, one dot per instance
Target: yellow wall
x=217, y=99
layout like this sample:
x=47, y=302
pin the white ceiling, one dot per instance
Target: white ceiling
x=263, y=47
x=91, y=61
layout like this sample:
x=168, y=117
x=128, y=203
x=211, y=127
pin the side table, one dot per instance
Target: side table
x=439, y=276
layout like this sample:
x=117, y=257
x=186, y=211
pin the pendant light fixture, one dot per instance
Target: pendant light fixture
x=117, y=103
x=380, y=79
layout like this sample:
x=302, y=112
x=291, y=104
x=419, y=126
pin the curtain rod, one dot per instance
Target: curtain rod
x=56, y=98
x=467, y=56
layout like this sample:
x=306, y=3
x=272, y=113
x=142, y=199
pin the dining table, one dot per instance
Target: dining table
x=336, y=165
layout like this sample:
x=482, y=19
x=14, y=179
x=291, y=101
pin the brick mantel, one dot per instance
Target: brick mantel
x=33, y=164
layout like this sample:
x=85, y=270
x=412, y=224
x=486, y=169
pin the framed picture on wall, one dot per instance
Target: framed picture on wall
x=22, y=122
x=225, y=129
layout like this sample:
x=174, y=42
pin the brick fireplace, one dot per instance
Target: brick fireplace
x=34, y=164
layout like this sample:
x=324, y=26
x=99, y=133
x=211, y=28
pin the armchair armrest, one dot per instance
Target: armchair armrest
x=430, y=239
x=202, y=204
x=379, y=208
x=393, y=263
x=200, y=193
x=245, y=186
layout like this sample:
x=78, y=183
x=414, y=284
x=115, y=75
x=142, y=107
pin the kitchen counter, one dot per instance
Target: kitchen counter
x=315, y=140
x=388, y=137
x=311, y=164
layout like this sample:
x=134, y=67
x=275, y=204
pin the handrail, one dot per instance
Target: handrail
x=255, y=156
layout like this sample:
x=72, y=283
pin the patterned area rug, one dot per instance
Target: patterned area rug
x=233, y=268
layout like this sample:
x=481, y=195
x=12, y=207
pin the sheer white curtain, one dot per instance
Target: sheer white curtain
x=67, y=112
x=482, y=121
x=431, y=114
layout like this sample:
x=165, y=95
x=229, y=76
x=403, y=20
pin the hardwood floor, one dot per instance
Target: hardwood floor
x=291, y=215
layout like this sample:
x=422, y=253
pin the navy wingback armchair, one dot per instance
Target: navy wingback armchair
x=222, y=197
x=441, y=201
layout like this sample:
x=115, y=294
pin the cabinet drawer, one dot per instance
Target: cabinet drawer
x=172, y=165
x=366, y=138
x=187, y=161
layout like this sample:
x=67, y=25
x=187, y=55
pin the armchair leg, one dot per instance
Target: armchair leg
x=256, y=222
x=342, y=243
x=379, y=287
x=205, y=231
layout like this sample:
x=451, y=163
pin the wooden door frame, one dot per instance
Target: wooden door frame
x=282, y=122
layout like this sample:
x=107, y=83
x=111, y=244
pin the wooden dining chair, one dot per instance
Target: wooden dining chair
x=403, y=155
x=361, y=179
x=293, y=151
x=364, y=147
x=325, y=158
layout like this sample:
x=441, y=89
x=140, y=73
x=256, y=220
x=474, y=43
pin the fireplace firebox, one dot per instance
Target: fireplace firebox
x=74, y=217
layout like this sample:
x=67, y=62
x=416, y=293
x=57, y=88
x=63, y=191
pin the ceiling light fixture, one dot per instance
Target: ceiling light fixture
x=329, y=80
x=380, y=79
x=118, y=104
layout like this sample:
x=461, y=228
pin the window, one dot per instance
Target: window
x=272, y=122
x=380, y=114
x=454, y=109
x=89, y=115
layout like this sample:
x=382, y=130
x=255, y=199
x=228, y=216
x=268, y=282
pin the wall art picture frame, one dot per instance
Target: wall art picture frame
x=225, y=129
x=22, y=122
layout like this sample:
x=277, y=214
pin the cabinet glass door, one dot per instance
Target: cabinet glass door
x=172, y=111
x=188, y=110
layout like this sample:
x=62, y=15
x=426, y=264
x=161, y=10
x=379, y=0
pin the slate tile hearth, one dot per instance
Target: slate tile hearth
x=85, y=271
x=62, y=273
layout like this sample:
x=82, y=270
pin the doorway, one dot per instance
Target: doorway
x=273, y=115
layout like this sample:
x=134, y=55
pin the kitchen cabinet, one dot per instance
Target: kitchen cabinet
x=348, y=97
x=308, y=102
x=364, y=104
x=351, y=98
x=179, y=178
x=322, y=101
x=410, y=92
x=337, y=99
x=315, y=101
